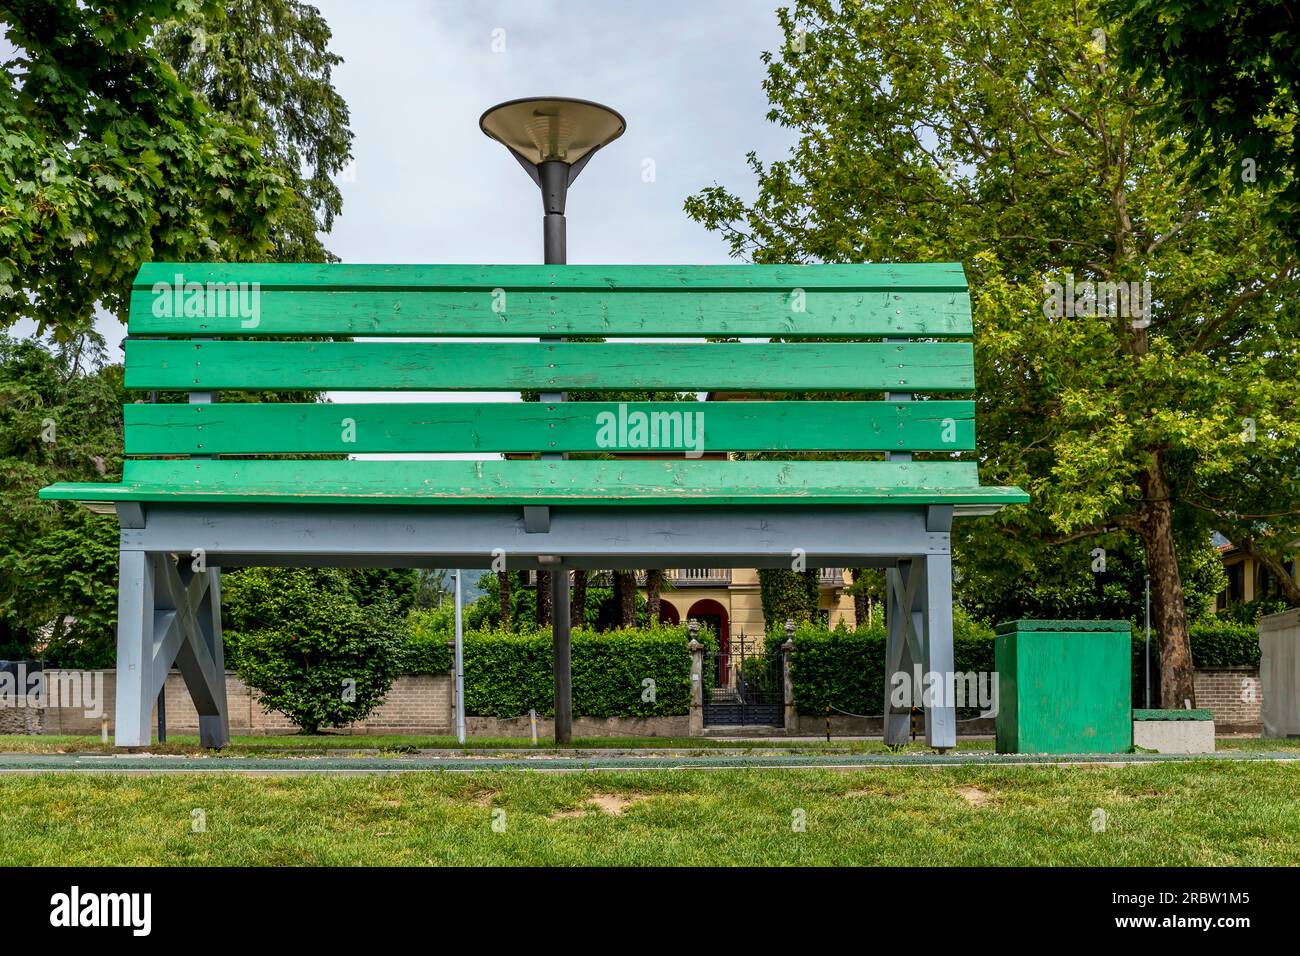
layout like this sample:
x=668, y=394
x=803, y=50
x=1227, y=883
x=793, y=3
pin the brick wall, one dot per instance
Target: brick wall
x=1233, y=694
x=416, y=704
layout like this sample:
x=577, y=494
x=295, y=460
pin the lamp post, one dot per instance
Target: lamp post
x=554, y=138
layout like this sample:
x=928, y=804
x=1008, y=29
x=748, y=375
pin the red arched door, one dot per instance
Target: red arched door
x=713, y=614
x=668, y=614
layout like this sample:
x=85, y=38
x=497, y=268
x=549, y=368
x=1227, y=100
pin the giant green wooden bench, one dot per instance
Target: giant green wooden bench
x=195, y=496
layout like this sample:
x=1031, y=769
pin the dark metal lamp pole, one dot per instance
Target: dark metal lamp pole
x=553, y=138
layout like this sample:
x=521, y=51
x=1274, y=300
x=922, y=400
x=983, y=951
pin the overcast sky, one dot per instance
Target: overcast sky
x=428, y=186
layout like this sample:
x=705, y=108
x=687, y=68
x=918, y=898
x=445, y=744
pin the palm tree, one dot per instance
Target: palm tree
x=654, y=580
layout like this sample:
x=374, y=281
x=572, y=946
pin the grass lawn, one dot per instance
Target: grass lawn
x=1194, y=813
x=391, y=744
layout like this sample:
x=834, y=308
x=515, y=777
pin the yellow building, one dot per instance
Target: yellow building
x=728, y=599
x=1247, y=578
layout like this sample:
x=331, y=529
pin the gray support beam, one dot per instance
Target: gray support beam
x=898, y=397
x=902, y=646
x=135, y=650
x=940, y=720
x=581, y=537
x=214, y=729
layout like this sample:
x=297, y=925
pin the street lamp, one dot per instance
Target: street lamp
x=553, y=138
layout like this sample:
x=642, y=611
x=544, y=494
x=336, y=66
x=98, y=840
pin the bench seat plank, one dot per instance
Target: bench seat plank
x=509, y=366
x=379, y=427
x=614, y=483
x=891, y=277
x=761, y=314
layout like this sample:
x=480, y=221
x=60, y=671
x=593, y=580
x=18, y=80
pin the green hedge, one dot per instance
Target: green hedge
x=507, y=674
x=845, y=669
x=1217, y=643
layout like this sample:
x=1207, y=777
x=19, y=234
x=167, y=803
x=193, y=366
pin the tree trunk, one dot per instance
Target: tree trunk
x=625, y=591
x=543, y=598
x=654, y=579
x=578, y=609
x=1290, y=590
x=1168, y=612
x=861, y=602
x=503, y=586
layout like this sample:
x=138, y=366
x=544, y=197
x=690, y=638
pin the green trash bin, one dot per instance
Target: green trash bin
x=1064, y=687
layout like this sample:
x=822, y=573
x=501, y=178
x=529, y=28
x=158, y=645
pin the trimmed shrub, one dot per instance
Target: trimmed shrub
x=1218, y=643
x=313, y=653
x=845, y=670
x=425, y=650
x=508, y=674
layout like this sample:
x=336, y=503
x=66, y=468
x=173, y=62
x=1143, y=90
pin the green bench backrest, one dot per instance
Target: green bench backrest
x=202, y=328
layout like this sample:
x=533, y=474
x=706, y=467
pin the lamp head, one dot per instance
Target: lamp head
x=552, y=128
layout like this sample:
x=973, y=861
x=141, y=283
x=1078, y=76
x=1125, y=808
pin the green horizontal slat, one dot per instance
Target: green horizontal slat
x=900, y=277
x=617, y=483
x=507, y=366
x=246, y=429
x=687, y=312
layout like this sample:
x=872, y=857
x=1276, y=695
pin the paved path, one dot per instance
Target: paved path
x=460, y=762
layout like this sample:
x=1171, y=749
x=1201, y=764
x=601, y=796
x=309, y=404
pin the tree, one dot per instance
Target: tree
x=626, y=595
x=59, y=421
x=433, y=588
x=1227, y=75
x=266, y=66
x=311, y=650
x=654, y=582
x=503, y=588
x=108, y=160
x=1009, y=141
x=787, y=596
x=542, y=594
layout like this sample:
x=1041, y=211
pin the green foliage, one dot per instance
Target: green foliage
x=266, y=65
x=952, y=132
x=1071, y=582
x=308, y=647
x=787, y=596
x=484, y=612
x=58, y=563
x=428, y=631
x=108, y=160
x=845, y=670
x=508, y=674
x=1228, y=74
x=435, y=588
x=1224, y=644
x=1249, y=612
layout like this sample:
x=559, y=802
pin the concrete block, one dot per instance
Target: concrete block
x=1174, y=736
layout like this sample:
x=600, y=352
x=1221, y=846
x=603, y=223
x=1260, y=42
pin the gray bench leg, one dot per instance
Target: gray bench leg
x=168, y=615
x=135, y=650
x=206, y=679
x=940, y=720
x=902, y=647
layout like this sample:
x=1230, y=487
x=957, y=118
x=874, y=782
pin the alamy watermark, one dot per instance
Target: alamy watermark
x=209, y=300
x=675, y=430
x=933, y=689
x=1126, y=300
x=40, y=689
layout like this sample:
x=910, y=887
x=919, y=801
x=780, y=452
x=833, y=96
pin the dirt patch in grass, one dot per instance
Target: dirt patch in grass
x=974, y=796
x=611, y=803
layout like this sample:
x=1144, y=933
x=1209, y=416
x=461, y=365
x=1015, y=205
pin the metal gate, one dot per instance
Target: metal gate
x=745, y=688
